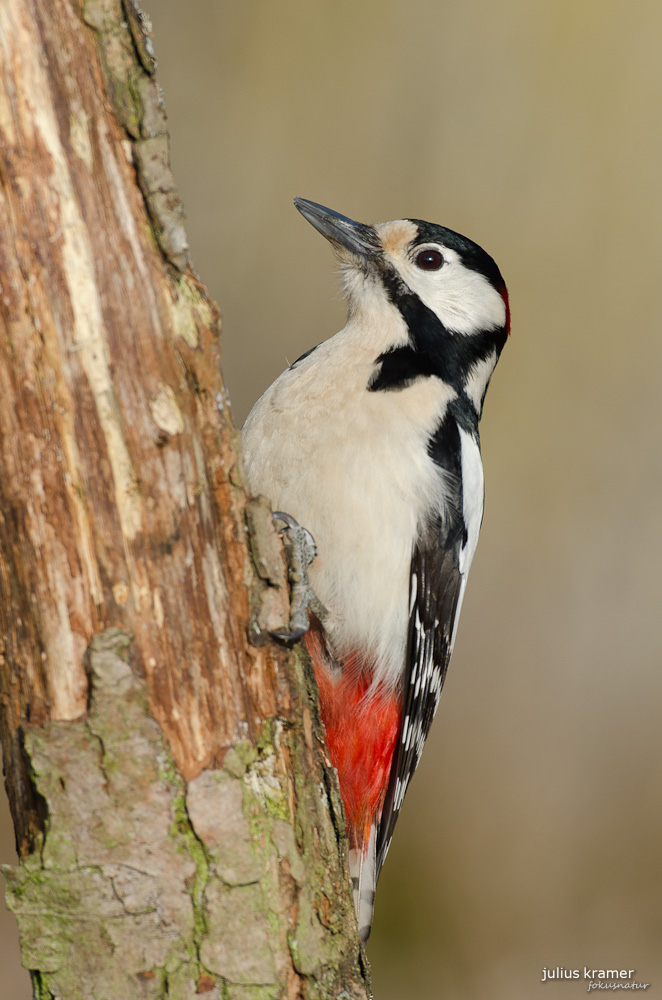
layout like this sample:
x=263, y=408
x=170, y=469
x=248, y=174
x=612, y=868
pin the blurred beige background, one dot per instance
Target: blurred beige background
x=531, y=835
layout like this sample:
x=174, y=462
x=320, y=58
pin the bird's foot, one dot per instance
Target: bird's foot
x=300, y=550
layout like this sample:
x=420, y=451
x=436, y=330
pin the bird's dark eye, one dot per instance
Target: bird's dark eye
x=429, y=260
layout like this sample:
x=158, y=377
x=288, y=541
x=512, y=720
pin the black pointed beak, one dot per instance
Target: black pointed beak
x=353, y=236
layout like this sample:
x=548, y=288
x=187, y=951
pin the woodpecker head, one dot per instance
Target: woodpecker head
x=447, y=289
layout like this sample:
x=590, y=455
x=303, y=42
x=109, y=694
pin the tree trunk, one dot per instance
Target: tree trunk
x=179, y=827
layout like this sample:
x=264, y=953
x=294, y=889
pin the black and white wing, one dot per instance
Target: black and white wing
x=435, y=586
x=439, y=568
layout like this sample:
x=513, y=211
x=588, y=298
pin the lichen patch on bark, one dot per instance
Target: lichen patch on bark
x=114, y=871
x=146, y=886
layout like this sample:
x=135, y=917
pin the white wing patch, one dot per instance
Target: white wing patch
x=473, y=497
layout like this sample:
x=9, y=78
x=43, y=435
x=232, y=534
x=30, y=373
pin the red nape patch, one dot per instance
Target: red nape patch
x=361, y=735
x=503, y=292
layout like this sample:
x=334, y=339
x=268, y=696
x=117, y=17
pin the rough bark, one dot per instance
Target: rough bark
x=178, y=825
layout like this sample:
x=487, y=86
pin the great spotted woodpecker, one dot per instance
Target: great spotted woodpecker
x=370, y=440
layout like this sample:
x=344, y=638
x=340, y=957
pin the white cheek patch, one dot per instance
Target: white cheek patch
x=464, y=300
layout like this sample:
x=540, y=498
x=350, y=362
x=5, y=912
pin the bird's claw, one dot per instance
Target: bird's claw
x=300, y=549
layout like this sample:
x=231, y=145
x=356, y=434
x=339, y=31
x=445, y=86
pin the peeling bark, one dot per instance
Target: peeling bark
x=177, y=820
